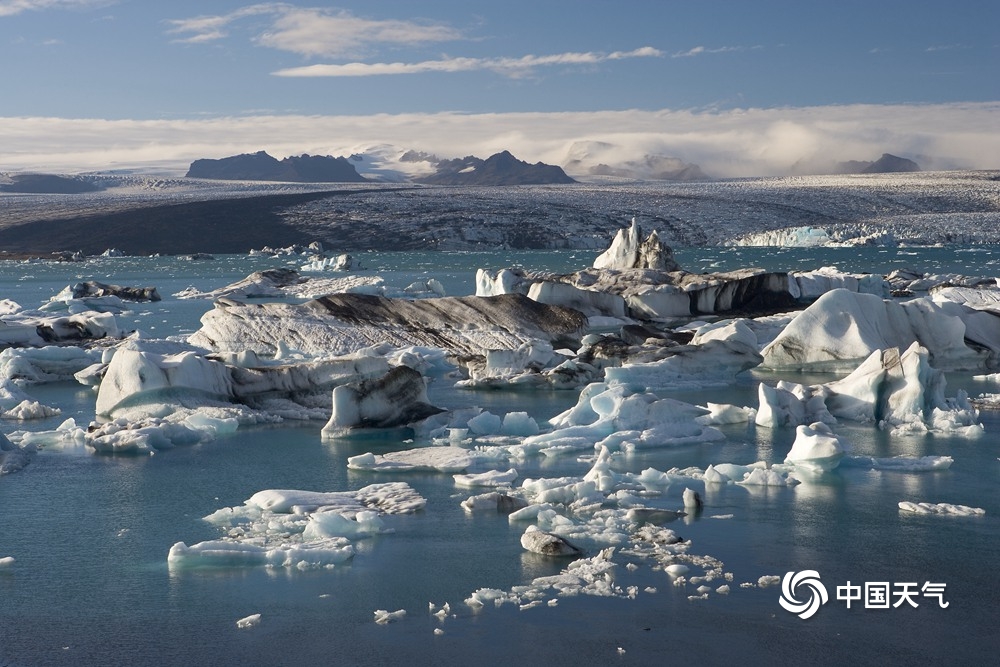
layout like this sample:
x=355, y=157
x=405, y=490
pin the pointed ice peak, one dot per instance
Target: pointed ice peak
x=627, y=251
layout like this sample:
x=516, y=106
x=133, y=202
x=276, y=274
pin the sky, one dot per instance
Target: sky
x=741, y=88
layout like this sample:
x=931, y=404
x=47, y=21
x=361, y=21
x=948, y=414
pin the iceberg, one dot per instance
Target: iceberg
x=622, y=419
x=941, y=509
x=900, y=392
x=816, y=448
x=340, y=324
x=842, y=327
x=144, y=381
x=296, y=529
x=398, y=398
x=540, y=542
x=629, y=251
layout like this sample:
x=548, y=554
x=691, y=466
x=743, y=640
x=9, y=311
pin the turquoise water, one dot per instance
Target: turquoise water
x=90, y=534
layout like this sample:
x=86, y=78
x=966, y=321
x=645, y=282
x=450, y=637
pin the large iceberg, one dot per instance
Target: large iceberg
x=136, y=377
x=842, y=327
x=339, y=324
x=901, y=392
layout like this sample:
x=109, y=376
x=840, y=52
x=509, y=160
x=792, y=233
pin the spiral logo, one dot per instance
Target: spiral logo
x=817, y=593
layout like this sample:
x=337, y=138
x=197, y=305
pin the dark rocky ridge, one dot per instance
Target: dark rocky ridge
x=262, y=167
x=220, y=226
x=47, y=184
x=499, y=169
x=887, y=164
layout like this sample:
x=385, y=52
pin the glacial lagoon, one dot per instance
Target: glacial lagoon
x=87, y=536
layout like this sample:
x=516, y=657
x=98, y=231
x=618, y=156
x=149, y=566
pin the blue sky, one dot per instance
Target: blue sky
x=223, y=67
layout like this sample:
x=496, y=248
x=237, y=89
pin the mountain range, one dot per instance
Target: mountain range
x=499, y=169
x=260, y=166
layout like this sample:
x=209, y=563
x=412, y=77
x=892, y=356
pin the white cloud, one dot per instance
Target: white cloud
x=313, y=32
x=945, y=47
x=739, y=142
x=12, y=7
x=507, y=66
x=699, y=50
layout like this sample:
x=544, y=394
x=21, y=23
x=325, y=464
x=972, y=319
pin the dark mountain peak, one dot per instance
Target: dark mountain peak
x=890, y=164
x=260, y=166
x=47, y=184
x=499, y=169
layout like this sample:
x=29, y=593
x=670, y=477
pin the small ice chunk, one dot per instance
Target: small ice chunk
x=485, y=423
x=946, y=509
x=547, y=544
x=383, y=616
x=251, y=621
x=488, y=478
x=677, y=569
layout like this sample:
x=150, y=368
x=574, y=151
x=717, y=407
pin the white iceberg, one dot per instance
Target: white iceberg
x=901, y=392
x=841, y=328
x=816, y=448
x=296, y=529
x=622, y=419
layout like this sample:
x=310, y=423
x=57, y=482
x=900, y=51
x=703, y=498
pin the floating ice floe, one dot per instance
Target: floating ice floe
x=497, y=502
x=711, y=363
x=296, y=529
x=383, y=616
x=973, y=291
x=146, y=380
x=899, y=463
x=339, y=263
x=437, y=459
x=944, y=509
x=622, y=419
x=489, y=478
x=251, y=621
x=98, y=297
x=540, y=542
x=629, y=250
x=281, y=283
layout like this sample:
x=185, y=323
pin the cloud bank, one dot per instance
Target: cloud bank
x=732, y=143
